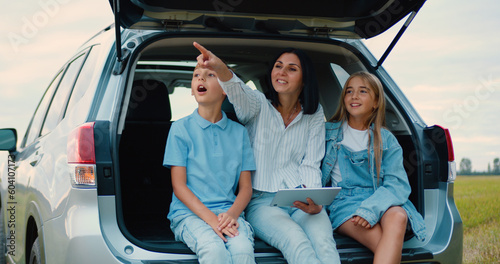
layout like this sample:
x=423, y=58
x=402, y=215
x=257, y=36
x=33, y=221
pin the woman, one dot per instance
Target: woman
x=287, y=134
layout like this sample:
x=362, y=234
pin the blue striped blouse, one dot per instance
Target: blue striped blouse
x=285, y=157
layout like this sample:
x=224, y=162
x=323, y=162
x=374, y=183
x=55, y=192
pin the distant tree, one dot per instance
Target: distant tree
x=465, y=166
x=496, y=166
x=489, y=168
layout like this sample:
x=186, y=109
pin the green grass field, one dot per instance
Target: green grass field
x=478, y=201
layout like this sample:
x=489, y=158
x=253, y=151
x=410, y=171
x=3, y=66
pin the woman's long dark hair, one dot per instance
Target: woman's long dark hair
x=309, y=97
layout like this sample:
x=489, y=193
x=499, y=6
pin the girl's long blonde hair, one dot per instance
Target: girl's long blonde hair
x=377, y=117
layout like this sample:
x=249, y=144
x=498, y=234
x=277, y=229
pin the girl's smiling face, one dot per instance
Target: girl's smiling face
x=360, y=99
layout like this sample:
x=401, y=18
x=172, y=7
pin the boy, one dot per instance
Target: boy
x=210, y=157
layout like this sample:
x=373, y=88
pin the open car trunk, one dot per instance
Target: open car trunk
x=353, y=19
x=158, y=94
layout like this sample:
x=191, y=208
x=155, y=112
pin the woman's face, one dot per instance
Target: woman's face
x=286, y=75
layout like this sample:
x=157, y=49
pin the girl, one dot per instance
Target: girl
x=366, y=160
x=287, y=134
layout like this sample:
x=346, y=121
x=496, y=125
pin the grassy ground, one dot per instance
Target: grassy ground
x=478, y=201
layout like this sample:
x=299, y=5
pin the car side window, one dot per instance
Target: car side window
x=34, y=128
x=58, y=104
x=182, y=102
x=84, y=78
x=341, y=74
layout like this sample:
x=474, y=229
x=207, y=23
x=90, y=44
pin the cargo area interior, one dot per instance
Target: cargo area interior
x=158, y=94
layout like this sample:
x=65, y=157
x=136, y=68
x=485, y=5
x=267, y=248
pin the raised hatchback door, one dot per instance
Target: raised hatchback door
x=340, y=18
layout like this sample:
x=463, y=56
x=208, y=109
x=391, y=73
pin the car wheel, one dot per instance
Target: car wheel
x=35, y=257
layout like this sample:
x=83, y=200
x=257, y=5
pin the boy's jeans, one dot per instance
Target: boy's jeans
x=301, y=237
x=209, y=247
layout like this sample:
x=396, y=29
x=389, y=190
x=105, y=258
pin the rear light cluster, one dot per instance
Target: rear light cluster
x=81, y=156
x=452, y=166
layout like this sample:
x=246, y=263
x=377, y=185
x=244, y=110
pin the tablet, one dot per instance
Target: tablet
x=320, y=196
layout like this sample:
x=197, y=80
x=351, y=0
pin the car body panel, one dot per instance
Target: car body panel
x=75, y=236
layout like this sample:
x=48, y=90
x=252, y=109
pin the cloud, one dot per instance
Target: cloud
x=480, y=149
x=477, y=140
x=51, y=18
x=30, y=65
x=37, y=39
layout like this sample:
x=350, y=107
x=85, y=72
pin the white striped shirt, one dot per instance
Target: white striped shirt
x=285, y=157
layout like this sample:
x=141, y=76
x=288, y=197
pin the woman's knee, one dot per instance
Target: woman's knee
x=270, y=220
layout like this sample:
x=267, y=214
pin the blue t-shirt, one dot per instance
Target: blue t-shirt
x=214, y=156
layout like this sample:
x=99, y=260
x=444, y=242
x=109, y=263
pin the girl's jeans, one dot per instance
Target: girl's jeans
x=209, y=247
x=301, y=237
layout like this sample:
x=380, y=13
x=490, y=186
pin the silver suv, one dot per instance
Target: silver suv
x=86, y=182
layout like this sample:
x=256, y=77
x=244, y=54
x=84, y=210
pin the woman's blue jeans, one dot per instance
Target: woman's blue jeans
x=301, y=237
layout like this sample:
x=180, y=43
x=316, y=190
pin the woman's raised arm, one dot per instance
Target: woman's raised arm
x=208, y=60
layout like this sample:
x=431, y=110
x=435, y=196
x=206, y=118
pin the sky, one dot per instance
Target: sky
x=447, y=63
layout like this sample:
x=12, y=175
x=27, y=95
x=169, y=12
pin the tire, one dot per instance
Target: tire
x=35, y=256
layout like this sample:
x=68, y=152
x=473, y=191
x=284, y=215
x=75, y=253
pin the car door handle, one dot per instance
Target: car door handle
x=34, y=161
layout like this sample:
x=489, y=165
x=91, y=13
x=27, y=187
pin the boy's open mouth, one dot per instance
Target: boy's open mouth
x=202, y=88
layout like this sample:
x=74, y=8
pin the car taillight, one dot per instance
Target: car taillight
x=452, y=167
x=81, y=155
x=451, y=153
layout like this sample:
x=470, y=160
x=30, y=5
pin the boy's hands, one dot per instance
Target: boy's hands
x=310, y=207
x=224, y=224
x=228, y=224
x=214, y=223
x=358, y=220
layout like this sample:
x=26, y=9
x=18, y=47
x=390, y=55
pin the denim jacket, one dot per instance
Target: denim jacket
x=392, y=188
